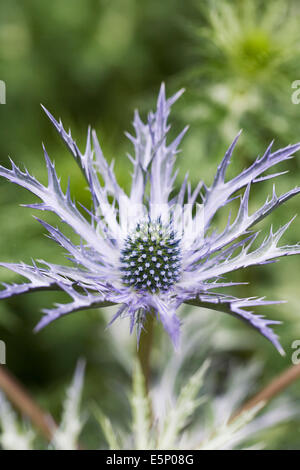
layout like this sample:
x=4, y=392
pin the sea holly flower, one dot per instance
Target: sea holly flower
x=151, y=250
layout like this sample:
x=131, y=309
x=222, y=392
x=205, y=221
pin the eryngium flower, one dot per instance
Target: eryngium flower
x=148, y=265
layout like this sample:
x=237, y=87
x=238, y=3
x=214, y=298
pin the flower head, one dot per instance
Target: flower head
x=151, y=258
x=149, y=251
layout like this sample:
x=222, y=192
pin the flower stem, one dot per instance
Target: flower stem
x=144, y=350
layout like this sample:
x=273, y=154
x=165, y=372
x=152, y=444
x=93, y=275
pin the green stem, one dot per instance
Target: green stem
x=145, y=346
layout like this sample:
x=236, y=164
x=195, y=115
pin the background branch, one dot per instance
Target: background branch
x=16, y=393
x=277, y=385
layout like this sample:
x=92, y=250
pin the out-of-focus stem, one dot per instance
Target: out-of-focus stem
x=25, y=404
x=144, y=351
x=277, y=385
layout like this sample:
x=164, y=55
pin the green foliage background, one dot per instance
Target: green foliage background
x=93, y=62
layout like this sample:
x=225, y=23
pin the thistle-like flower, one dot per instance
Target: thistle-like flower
x=151, y=250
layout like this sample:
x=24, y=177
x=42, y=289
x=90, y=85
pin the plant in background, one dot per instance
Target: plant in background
x=64, y=437
x=160, y=421
x=245, y=59
x=173, y=422
x=13, y=436
x=151, y=267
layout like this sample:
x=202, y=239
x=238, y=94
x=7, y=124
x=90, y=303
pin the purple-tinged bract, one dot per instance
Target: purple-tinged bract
x=150, y=251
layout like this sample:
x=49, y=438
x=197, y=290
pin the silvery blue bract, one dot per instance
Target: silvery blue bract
x=152, y=250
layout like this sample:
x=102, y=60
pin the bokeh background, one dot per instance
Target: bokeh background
x=94, y=62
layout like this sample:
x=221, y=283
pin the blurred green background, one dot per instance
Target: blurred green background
x=94, y=62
